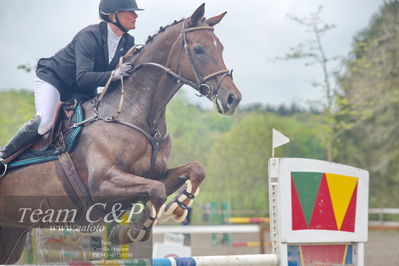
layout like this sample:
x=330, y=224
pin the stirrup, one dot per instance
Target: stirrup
x=5, y=166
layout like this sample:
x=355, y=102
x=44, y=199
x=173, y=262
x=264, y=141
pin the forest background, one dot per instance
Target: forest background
x=359, y=128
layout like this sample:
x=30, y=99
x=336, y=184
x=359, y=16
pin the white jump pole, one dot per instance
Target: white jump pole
x=237, y=260
x=231, y=260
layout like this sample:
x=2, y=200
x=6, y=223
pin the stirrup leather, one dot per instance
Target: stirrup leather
x=4, y=166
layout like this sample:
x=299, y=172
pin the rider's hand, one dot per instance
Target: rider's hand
x=123, y=71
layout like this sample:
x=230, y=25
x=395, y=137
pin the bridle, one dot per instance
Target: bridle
x=200, y=84
x=209, y=92
x=155, y=138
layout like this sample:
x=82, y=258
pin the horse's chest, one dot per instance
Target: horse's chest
x=159, y=167
x=154, y=164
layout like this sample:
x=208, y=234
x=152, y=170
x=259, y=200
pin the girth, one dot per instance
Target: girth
x=75, y=188
x=80, y=194
x=156, y=140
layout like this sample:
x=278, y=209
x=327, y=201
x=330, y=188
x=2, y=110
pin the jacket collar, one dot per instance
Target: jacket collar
x=119, y=51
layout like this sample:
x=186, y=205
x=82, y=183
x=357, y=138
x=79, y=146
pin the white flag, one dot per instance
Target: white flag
x=279, y=139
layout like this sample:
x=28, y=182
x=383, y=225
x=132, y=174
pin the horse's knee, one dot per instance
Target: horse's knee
x=158, y=194
x=197, y=171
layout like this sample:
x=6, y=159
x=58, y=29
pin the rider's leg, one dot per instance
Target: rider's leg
x=24, y=136
x=47, y=98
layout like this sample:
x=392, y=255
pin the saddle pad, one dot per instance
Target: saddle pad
x=30, y=156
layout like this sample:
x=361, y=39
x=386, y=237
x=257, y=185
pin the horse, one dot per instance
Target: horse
x=124, y=146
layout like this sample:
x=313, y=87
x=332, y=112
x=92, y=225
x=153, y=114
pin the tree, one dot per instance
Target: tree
x=237, y=162
x=193, y=130
x=314, y=51
x=369, y=105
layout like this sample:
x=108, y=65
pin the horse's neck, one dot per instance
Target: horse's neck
x=147, y=91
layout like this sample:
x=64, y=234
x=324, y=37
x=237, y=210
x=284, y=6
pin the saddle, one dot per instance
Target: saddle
x=56, y=145
x=61, y=138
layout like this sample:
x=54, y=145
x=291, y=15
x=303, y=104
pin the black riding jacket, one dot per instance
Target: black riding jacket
x=82, y=66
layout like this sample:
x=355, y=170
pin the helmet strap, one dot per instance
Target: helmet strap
x=118, y=24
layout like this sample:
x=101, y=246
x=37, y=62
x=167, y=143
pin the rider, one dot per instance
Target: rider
x=86, y=63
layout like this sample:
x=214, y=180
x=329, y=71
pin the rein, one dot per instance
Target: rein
x=199, y=85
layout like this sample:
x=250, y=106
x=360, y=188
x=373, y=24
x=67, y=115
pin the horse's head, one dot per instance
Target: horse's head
x=202, y=62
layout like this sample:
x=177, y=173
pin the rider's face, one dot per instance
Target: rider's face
x=128, y=19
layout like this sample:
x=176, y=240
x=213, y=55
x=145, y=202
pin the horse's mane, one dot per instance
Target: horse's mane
x=161, y=29
x=151, y=37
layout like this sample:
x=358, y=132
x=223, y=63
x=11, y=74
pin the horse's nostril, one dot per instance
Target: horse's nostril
x=231, y=100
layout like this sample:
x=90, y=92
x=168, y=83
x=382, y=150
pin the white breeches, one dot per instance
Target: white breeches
x=47, y=98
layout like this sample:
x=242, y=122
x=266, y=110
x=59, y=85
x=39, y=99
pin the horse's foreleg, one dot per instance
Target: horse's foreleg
x=128, y=186
x=190, y=175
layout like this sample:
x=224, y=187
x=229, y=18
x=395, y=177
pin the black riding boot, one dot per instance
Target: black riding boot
x=26, y=135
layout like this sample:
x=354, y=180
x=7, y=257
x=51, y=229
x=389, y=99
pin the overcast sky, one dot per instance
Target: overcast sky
x=253, y=32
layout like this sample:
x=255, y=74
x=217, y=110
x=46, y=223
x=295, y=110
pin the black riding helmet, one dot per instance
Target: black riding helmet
x=108, y=7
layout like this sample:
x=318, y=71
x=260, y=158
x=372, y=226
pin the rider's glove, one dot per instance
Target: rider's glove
x=122, y=71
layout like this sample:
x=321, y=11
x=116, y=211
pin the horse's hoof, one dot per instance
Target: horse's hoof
x=180, y=218
x=174, y=212
x=138, y=236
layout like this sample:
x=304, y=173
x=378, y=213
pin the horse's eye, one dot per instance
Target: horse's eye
x=198, y=50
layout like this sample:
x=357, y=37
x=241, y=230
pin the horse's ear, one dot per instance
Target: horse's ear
x=215, y=20
x=197, y=15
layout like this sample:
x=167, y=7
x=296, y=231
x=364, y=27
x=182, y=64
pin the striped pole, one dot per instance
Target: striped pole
x=251, y=244
x=248, y=220
x=233, y=260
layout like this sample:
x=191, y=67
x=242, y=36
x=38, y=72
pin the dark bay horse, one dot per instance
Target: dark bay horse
x=124, y=154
